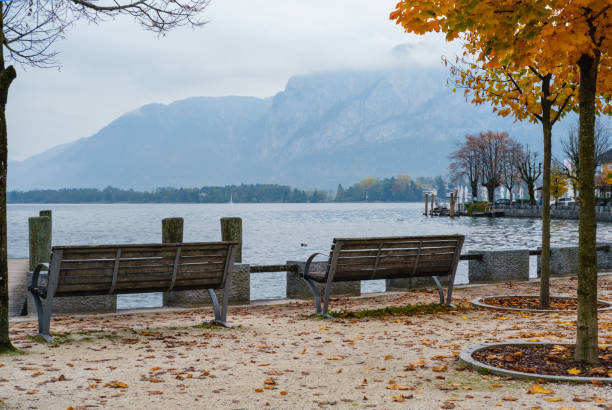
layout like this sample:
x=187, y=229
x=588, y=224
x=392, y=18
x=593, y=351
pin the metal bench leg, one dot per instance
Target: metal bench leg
x=219, y=315
x=440, y=290
x=326, y=299
x=43, y=311
x=315, y=293
x=449, y=292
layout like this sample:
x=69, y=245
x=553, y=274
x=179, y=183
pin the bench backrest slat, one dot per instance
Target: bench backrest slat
x=88, y=270
x=388, y=257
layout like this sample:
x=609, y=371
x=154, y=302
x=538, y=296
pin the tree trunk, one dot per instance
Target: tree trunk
x=545, y=258
x=531, y=190
x=586, y=322
x=474, y=189
x=490, y=192
x=6, y=77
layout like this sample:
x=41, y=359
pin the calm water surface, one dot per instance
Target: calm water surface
x=275, y=233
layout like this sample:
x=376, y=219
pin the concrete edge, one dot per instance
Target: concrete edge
x=479, y=302
x=466, y=357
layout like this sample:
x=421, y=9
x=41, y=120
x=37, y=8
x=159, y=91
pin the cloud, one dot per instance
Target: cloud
x=249, y=47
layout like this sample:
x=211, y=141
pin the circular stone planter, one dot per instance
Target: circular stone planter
x=466, y=357
x=482, y=303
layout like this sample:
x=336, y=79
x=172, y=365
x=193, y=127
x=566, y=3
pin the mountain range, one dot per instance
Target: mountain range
x=321, y=130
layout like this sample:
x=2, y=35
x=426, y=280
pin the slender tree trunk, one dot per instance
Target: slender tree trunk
x=586, y=323
x=7, y=75
x=545, y=259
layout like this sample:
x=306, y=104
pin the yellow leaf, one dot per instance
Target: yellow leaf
x=335, y=358
x=574, y=371
x=388, y=357
x=32, y=391
x=283, y=393
x=553, y=399
x=537, y=389
x=121, y=384
x=258, y=390
x=303, y=351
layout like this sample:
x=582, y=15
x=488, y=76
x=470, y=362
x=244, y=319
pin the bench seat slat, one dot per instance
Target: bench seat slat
x=166, y=275
x=395, y=251
x=166, y=250
x=399, y=238
x=135, y=288
x=390, y=259
x=396, y=245
x=191, y=267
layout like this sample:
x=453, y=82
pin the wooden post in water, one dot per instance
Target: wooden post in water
x=452, y=205
x=47, y=212
x=231, y=230
x=432, y=203
x=426, y=203
x=40, y=240
x=172, y=230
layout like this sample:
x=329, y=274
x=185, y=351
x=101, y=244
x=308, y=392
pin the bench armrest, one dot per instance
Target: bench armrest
x=34, y=283
x=309, y=261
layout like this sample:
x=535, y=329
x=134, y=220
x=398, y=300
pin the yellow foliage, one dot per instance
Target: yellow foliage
x=558, y=184
x=510, y=49
x=368, y=182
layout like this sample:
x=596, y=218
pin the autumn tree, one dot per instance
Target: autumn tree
x=526, y=93
x=29, y=31
x=530, y=170
x=465, y=163
x=571, y=41
x=558, y=183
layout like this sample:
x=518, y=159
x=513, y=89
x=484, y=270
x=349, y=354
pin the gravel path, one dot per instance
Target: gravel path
x=279, y=357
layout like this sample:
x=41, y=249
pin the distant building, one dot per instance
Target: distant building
x=603, y=176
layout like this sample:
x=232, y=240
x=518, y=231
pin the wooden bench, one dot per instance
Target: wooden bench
x=352, y=259
x=116, y=269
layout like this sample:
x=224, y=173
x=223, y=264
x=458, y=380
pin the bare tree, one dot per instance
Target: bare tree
x=530, y=170
x=465, y=163
x=569, y=147
x=29, y=30
x=510, y=165
x=492, y=149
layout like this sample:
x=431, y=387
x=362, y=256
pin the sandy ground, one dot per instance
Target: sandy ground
x=279, y=357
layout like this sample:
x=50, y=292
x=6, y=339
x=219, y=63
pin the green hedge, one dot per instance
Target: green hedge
x=478, y=206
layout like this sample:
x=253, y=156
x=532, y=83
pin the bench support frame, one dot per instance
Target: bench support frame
x=43, y=299
x=324, y=310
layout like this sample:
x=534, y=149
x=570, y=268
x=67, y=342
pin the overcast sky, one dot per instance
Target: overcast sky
x=249, y=47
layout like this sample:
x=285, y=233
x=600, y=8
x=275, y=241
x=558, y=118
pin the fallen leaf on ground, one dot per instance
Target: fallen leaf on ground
x=442, y=368
x=537, y=389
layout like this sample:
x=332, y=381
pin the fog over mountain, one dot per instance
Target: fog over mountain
x=323, y=129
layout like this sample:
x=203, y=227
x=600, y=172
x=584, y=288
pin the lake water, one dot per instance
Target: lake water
x=275, y=233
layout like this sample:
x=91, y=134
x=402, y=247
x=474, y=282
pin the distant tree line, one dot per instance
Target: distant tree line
x=237, y=193
x=401, y=189
x=395, y=189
